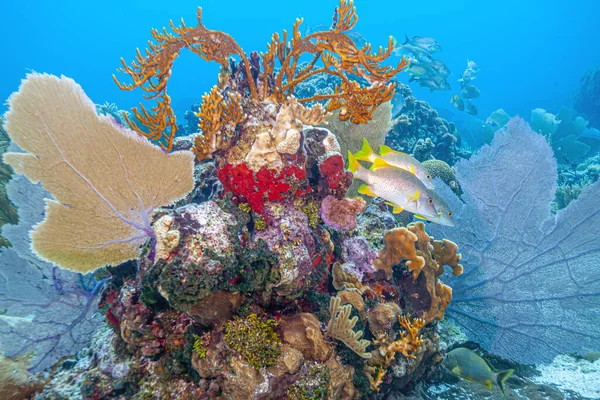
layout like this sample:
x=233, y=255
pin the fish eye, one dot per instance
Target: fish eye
x=428, y=176
x=430, y=201
x=449, y=213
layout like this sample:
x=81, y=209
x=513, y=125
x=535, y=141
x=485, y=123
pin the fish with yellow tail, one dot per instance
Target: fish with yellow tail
x=400, y=188
x=468, y=365
x=395, y=159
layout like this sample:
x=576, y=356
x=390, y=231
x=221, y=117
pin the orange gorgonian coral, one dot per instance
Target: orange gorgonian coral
x=334, y=53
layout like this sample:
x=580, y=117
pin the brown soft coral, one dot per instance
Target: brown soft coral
x=384, y=355
x=151, y=72
x=219, y=115
x=399, y=245
x=333, y=53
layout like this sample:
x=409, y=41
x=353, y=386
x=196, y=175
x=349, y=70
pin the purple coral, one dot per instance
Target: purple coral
x=357, y=252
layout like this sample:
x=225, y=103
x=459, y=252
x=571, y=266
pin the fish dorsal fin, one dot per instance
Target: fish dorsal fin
x=383, y=150
x=396, y=209
x=366, y=190
x=366, y=153
x=380, y=163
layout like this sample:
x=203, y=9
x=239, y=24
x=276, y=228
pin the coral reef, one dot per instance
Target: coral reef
x=521, y=260
x=419, y=130
x=254, y=340
x=16, y=383
x=341, y=214
x=587, y=97
x=441, y=169
x=254, y=274
x=8, y=213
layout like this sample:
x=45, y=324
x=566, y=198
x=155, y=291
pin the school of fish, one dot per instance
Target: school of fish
x=468, y=90
x=402, y=181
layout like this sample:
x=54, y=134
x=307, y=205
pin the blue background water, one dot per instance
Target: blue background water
x=531, y=53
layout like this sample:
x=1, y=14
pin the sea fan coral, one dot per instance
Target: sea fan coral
x=531, y=277
x=106, y=181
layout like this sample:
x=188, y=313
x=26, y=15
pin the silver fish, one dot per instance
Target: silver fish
x=400, y=188
x=470, y=92
x=470, y=108
x=428, y=44
x=458, y=102
x=395, y=159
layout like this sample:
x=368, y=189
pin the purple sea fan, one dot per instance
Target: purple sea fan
x=531, y=286
x=46, y=311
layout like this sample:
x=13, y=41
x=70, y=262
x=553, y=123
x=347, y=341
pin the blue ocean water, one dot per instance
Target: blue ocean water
x=531, y=53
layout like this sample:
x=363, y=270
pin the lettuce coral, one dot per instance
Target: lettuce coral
x=530, y=289
x=106, y=181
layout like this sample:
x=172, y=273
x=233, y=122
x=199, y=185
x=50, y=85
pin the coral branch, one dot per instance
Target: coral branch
x=151, y=72
x=341, y=328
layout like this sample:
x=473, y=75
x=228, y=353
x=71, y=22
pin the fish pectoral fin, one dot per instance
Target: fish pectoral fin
x=415, y=197
x=456, y=371
x=421, y=217
x=396, y=209
x=380, y=163
x=366, y=190
x=488, y=384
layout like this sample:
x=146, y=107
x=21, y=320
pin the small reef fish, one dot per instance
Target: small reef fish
x=395, y=159
x=440, y=68
x=423, y=68
x=412, y=52
x=466, y=364
x=428, y=44
x=401, y=189
x=435, y=83
x=458, y=102
x=444, y=216
x=470, y=92
x=471, y=66
x=467, y=77
x=470, y=108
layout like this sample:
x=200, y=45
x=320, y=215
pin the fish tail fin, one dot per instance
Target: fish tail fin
x=366, y=153
x=353, y=165
x=406, y=39
x=502, y=376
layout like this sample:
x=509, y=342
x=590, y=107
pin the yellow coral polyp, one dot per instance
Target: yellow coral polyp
x=254, y=340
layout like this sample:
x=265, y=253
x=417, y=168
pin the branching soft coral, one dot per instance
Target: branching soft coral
x=334, y=53
x=218, y=117
x=407, y=345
